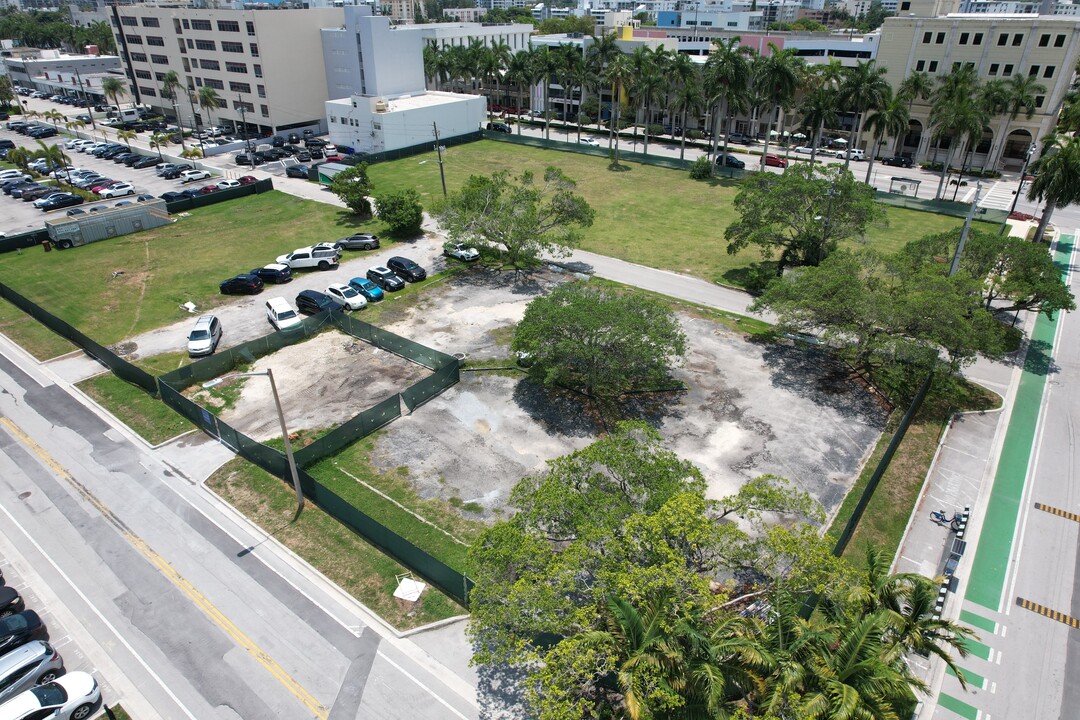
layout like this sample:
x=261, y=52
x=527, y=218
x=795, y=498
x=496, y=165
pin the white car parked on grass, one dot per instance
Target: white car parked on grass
x=346, y=295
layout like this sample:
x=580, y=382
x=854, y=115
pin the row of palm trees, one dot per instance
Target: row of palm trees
x=846, y=660
x=171, y=88
x=736, y=81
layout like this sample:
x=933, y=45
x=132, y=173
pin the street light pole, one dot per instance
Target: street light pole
x=179, y=125
x=284, y=430
x=1019, y=189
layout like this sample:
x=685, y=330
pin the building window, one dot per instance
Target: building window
x=223, y=103
x=265, y=110
x=134, y=39
x=210, y=65
x=932, y=68
x=1059, y=41
x=160, y=77
x=194, y=62
x=993, y=69
x=927, y=37
x=150, y=22
x=201, y=25
x=236, y=67
x=176, y=26
x=138, y=57
x=250, y=28
x=147, y=91
x=1018, y=38
x=187, y=25
x=920, y=66
x=216, y=84
x=977, y=40
x=159, y=59
x=940, y=39
x=232, y=47
x=155, y=41
x=1049, y=71
x=964, y=37
x=1007, y=71
x=955, y=66
x=143, y=74
x=1003, y=39
x=129, y=21
x=205, y=45
x=254, y=49
x=190, y=43
x=1039, y=100
x=905, y=6
x=198, y=81
x=1044, y=40
x=239, y=87
x=257, y=69
x=180, y=44
x=1034, y=70
x=245, y=106
x=262, y=90
x=228, y=26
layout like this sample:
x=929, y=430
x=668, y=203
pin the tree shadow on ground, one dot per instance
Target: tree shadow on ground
x=826, y=381
x=500, y=692
x=530, y=282
x=571, y=413
x=753, y=277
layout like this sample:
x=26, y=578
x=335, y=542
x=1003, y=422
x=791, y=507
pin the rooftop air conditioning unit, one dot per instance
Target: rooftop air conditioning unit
x=380, y=106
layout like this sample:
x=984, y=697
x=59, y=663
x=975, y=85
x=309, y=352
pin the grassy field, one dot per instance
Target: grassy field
x=648, y=215
x=887, y=514
x=342, y=556
x=162, y=268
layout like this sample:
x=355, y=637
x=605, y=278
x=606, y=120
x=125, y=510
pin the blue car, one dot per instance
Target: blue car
x=368, y=289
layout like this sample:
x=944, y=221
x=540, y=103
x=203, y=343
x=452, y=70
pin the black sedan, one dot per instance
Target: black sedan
x=10, y=601
x=172, y=196
x=172, y=173
x=273, y=273
x=19, y=629
x=246, y=284
x=298, y=171
x=146, y=162
x=898, y=161
x=62, y=201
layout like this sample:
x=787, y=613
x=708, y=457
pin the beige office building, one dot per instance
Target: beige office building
x=999, y=47
x=266, y=65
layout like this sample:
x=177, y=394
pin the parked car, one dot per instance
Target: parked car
x=294, y=139
x=461, y=251
x=244, y=284
x=144, y=198
x=75, y=212
x=14, y=173
x=37, y=192
x=499, y=127
x=277, y=141
x=19, y=629
x=853, y=153
x=346, y=295
x=323, y=256
x=775, y=161
x=19, y=190
x=207, y=189
x=298, y=171
x=385, y=278
x=312, y=302
x=118, y=190
x=247, y=179
x=406, y=268
x=368, y=289
x=49, y=196
x=63, y=200
x=145, y=162
x=741, y=138
x=730, y=161
x=281, y=315
x=193, y=175
x=35, y=663
x=10, y=601
x=122, y=158
x=226, y=184
x=204, y=336
x=589, y=141
x=898, y=161
x=172, y=196
x=166, y=167
x=359, y=241
x=273, y=273
x=252, y=159
x=69, y=697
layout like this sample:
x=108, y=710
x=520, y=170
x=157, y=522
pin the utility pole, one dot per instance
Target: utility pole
x=964, y=233
x=438, y=149
x=86, y=101
x=243, y=121
x=1019, y=188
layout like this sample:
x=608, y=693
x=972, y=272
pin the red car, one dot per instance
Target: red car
x=207, y=189
x=98, y=189
x=246, y=180
x=334, y=158
x=775, y=161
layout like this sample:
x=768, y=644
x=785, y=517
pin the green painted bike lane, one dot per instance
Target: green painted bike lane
x=988, y=571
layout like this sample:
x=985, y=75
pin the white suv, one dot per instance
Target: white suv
x=281, y=315
x=853, y=153
x=190, y=175
x=323, y=256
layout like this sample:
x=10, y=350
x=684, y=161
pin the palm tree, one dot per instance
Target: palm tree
x=955, y=113
x=191, y=153
x=818, y=111
x=777, y=76
x=501, y=53
x=571, y=71
x=54, y=157
x=1057, y=177
x=158, y=141
x=170, y=83
x=726, y=77
x=688, y=99
x=723, y=665
x=209, y=101
x=54, y=116
x=487, y=68
x=546, y=66
x=862, y=89
x=20, y=157
x=519, y=74
x=126, y=136
x=649, y=83
x=75, y=125
x=916, y=86
x=1019, y=95
x=433, y=64
x=620, y=75
x=114, y=88
x=890, y=119
x=916, y=628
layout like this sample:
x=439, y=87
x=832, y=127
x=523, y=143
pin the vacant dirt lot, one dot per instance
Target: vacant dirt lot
x=750, y=408
x=322, y=383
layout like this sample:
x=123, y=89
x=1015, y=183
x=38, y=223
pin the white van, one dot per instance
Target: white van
x=281, y=315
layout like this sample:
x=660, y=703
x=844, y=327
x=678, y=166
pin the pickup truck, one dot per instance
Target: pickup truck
x=323, y=256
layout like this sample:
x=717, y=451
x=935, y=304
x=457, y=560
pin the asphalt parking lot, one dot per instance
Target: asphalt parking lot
x=18, y=216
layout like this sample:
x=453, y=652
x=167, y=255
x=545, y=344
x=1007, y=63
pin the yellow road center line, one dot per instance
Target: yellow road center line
x=173, y=576
x=1047, y=612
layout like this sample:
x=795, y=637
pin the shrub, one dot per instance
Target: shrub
x=655, y=129
x=402, y=211
x=695, y=134
x=701, y=169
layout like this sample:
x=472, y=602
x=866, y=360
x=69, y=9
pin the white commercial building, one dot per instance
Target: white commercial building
x=43, y=69
x=372, y=125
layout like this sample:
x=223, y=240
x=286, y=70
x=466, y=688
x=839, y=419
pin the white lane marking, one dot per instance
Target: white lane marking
x=97, y=612
x=431, y=692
